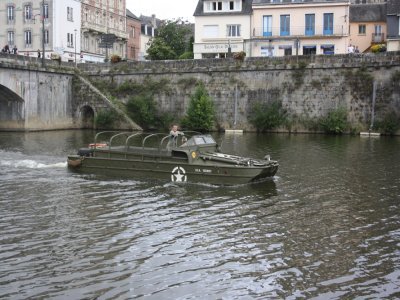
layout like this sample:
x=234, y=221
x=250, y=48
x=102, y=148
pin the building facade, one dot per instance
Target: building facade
x=133, y=27
x=148, y=30
x=222, y=28
x=41, y=27
x=103, y=29
x=296, y=27
x=367, y=25
x=393, y=25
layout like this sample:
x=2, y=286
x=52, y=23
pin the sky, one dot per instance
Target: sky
x=164, y=9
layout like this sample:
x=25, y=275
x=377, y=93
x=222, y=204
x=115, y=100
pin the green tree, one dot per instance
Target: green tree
x=200, y=114
x=170, y=41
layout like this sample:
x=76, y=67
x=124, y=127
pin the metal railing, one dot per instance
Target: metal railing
x=378, y=37
x=299, y=31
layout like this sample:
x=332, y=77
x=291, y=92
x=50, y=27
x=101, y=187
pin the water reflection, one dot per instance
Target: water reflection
x=326, y=227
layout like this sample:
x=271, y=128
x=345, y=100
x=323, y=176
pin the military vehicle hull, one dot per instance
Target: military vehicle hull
x=184, y=163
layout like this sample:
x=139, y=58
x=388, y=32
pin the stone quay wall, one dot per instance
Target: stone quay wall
x=307, y=86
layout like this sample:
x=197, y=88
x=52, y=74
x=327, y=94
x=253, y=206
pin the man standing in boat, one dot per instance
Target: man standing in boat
x=173, y=135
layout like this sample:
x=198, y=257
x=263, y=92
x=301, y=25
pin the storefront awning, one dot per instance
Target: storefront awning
x=327, y=46
x=285, y=47
x=309, y=46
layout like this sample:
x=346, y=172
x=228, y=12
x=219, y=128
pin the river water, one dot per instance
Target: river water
x=326, y=227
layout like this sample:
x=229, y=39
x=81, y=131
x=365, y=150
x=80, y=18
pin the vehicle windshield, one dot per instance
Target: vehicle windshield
x=200, y=140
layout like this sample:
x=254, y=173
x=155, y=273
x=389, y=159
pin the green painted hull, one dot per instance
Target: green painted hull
x=173, y=170
x=195, y=160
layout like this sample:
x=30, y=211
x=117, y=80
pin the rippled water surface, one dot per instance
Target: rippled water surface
x=326, y=227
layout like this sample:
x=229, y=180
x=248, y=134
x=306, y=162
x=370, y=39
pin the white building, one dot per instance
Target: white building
x=66, y=29
x=24, y=25
x=221, y=27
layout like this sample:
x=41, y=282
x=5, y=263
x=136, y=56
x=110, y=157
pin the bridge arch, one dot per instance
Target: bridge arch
x=87, y=114
x=12, y=110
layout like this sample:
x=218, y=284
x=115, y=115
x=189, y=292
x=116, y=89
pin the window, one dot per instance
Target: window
x=267, y=25
x=210, y=31
x=309, y=50
x=10, y=13
x=328, y=49
x=216, y=6
x=231, y=5
x=132, y=32
x=285, y=25
x=27, y=12
x=233, y=30
x=46, y=11
x=287, y=51
x=10, y=38
x=310, y=24
x=267, y=51
x=86, y=42
x=328, y=24
x=70, y=14
x=378, y=29
x=28, y=38
x=70, y=40
x=361, y=29
x=46, y=37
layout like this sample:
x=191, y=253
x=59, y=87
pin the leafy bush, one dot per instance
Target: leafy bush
x=105, y=119
x=378, y=48
x=239, y=55
x=335, y=122
x=266, y=116
x=389, y=124
x=142, y=109
x=186, y=55
x=115, y=58
x=200, y=114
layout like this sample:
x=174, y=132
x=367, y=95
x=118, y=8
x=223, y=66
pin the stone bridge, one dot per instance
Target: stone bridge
x=33, y=97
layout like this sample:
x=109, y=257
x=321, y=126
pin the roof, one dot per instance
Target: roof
x=393, y=7
x=150, y=21
x=129, y=14
x=368, y=13
x=246, y=10
x=268, y=2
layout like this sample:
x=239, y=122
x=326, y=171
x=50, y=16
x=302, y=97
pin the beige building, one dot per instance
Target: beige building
x=41, y=26
x=290, y=27
x=103, y=29
x=221, y=28
x=367, y=25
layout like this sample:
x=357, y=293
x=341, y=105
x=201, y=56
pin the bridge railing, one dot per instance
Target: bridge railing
x=29, y=61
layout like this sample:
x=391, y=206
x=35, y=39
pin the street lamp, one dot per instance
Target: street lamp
x=43, y=63
x=75, y=47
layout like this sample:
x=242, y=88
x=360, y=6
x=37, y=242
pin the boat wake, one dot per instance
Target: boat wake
x=31, y=164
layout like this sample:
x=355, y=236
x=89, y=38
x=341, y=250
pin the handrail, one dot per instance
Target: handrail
x=129, y=137
x=147, y=137
x=102, y=132
x=116, y=135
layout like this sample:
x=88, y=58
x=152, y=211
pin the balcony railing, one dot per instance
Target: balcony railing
x=299, y=31
x=89, y=26
x=378, y=37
